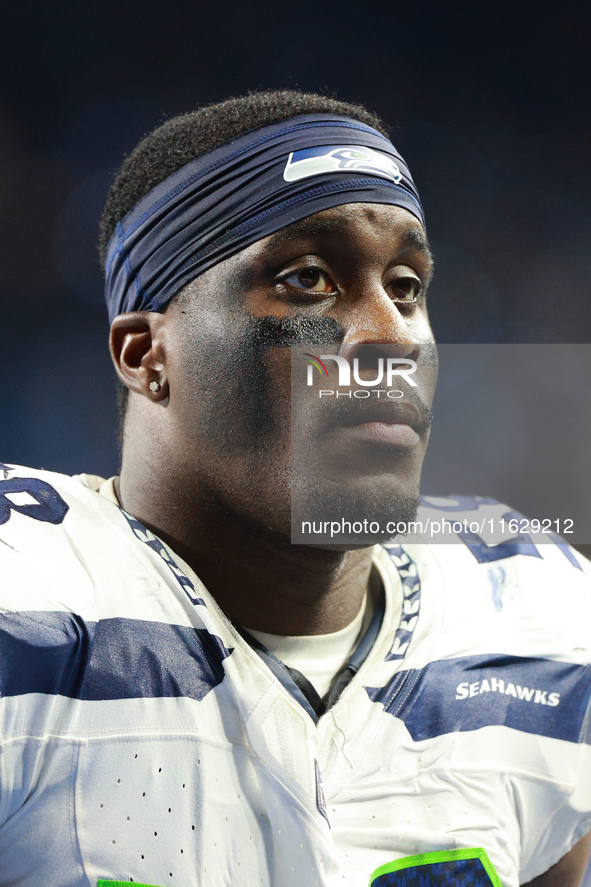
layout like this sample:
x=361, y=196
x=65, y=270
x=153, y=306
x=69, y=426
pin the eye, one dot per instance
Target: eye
x=311, y=280
x=406, y=288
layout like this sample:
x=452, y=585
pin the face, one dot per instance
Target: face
x=349, y=281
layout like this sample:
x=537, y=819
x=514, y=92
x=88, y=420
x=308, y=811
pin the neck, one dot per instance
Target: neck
x=256, y=576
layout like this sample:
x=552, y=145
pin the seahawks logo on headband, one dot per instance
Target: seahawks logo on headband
x=336, y=158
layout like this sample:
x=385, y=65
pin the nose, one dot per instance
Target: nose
x=380, y=322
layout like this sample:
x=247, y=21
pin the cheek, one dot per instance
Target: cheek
x=222, y=389
x=230, y=374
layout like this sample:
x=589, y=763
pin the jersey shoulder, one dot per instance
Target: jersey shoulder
x=496, y=647
x=86, y=591
x=497, y=634
x=50, y=525
x=65, y=547
x=501, y=569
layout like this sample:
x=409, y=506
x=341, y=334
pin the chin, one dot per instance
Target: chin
x=361, y=509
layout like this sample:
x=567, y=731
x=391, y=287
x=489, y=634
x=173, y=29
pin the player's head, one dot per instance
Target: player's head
x=279, y=219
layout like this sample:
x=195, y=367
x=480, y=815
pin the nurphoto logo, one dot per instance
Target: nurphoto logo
x=388, y=369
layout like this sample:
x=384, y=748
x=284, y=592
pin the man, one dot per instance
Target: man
x=187, y=697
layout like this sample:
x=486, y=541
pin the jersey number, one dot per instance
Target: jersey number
x=32, y=497
x=522, y=543
x=452, y=868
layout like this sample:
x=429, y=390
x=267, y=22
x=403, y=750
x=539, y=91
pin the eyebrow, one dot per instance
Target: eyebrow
x=308, y=228
x=417, y=241
x=412, y=238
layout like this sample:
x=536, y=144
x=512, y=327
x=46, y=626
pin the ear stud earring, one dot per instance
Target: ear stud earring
x=154, y=387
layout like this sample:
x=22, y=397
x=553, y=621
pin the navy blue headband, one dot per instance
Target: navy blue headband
x=242, y=191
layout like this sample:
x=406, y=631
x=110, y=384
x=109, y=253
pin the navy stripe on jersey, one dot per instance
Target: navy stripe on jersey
x=61, y=654
x=538, y=696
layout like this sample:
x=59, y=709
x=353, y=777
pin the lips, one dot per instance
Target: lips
x=387, y=423
x=385, y=413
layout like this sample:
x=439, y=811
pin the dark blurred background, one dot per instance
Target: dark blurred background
x=489, y=103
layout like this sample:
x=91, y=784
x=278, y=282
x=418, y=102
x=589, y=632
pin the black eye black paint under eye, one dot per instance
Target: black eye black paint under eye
x=273, y=332
x=262, y=333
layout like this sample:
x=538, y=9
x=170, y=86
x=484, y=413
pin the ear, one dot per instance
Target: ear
x=136, y=343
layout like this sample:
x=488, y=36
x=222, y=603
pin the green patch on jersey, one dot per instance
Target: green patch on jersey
x=102, y=883
x=444, y=867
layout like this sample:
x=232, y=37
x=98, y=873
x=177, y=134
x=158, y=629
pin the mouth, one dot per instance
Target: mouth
x=395, y=424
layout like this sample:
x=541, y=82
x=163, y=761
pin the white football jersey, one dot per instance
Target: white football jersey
x=145, y=740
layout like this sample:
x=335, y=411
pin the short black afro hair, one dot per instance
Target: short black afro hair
x=179, y=140
x=176, y=142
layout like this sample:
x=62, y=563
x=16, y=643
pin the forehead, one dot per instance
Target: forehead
x=368, y=228
x=353, y=234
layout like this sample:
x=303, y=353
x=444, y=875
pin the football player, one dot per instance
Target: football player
x=189, y=699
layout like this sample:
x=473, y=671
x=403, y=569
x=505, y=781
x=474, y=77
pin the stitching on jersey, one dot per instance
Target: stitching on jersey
x=76, y=848
x=405, y=691
x=586, y=725
x=389, y=699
